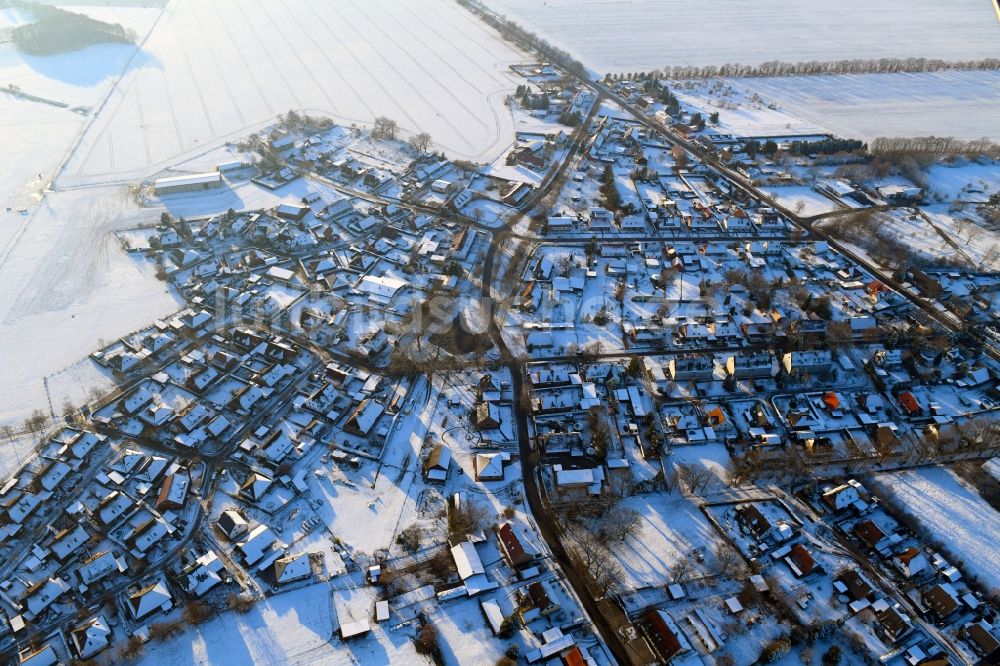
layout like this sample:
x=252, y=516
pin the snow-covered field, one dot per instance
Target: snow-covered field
x=616, y=36
x=35, y=135
x=67, y=286
x=865, y=106
x=953, y=513
x=213, y=71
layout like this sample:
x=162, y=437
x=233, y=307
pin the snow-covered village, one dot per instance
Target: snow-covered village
x=499, y=332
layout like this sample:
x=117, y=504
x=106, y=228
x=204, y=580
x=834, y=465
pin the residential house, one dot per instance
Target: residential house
x=489, y=466
x=940, y=600
x=146, y=600
x=893, y=625
x=662, y=634
x=800, y=561
x=910, y=562
x=91, y=637
x=291, y=568
x=437, y=464
x=511, y=548
x=844, y=495
x=232, y=524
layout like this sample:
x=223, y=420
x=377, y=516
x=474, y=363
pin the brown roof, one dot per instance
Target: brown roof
x=539, y=597
x=869, y=532
x=803, y=558
x=893, y=623
x=939, y=601
x=857, y=588
x=663, y=640
x=574, y=657
x=434, y=459
x=984, y=640
x=511, y=546
x=755, y=521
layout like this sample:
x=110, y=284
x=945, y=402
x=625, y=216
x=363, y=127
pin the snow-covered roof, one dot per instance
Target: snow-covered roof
x=467, y=560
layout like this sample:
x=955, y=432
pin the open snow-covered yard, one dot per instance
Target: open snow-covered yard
x=954, y=514
x=213, y=71
x=609, y=35
x=295, y=627
x=673, y=528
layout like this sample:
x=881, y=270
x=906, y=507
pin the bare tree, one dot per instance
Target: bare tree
x=410, y=538
x=680, y=570
x=728, y=560
x=619, y=524
x=696, y=477
x=385, y=128
x=421, y=141
x=603, y=567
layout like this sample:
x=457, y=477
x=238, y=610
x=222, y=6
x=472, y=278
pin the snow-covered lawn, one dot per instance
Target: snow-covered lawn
x=802, y=199
x=958, y=104
x=672, y=527
x=965, y=181
x=954, y=514
x=609, y=35
x=292, y=628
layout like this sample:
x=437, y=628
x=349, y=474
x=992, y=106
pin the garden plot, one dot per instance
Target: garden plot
x=952, y=513
x=608, y=35
x=225, y=68
x=742, y=112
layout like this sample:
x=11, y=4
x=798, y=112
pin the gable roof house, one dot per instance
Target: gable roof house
x=511, y=548
x=232, y=524
x=437, y=464
x=855, y=586
x=202, y=575
x=844, y=495
x=892, y=624
x=869, y=533
x=980, y=634
x=364, y=417
x=99, y=565
x=751, y=519
x=173, y=492
x=67, y=542
x=487, y=416
x=148, y=599
x=662, y=635
x=90, y=637
x=536, y=602
x=41, y=596
x=258, y=542
x=940, y=601
x=910, y=562
x=800, y=561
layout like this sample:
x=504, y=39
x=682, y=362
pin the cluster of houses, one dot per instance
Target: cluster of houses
x=938, y=590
